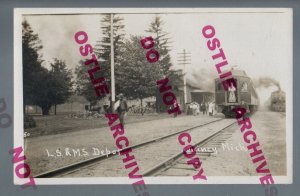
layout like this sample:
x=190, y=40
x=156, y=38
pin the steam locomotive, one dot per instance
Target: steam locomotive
x=278, y=101
x=244, y=95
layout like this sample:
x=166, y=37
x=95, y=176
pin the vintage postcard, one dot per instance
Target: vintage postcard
x=153, y=96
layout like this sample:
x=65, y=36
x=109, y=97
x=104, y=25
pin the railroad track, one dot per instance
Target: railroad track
x=178, y=163
x=106, y=161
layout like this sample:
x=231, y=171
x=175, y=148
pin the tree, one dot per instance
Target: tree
x=54, y=86
x=42, y=87
x=162, y=46
x=84, y=86
x=32, y=63
x=103, y=47
x=61, y=83
x=137, y=76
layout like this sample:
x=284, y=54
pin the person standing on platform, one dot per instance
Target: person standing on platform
x=197, y=108
x=122, y=108
x=203, y=107
x=206, y=107
x=175, y=104
x=210, y=108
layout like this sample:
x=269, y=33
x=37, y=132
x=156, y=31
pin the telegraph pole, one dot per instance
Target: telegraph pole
x=112, y=62
x=184, y=59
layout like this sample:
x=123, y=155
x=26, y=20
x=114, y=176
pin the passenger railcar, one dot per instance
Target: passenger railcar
x=244, y=95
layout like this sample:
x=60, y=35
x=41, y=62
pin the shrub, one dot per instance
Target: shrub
x=29, y=122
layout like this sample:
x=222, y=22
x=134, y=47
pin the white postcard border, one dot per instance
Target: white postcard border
x=18, y=97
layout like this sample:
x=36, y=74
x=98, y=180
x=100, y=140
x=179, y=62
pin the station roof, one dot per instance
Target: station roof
x=237, y=72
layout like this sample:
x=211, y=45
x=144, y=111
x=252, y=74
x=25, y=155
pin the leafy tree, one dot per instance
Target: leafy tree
x=84, y=86
x=44, y=90
x=61, y=79
x=54, y=86
x=137, y=76
x=176, y=79
x=32, y=63
x=42, y=87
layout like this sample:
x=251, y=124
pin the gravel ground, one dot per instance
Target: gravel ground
x=270, y=130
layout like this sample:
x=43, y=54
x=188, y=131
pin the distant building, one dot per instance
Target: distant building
x=194, y=94
x=75, y=104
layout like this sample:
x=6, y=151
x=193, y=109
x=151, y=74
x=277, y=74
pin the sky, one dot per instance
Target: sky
x=258, y=43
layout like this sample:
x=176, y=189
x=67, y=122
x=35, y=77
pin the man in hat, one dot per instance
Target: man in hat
x=122, y=108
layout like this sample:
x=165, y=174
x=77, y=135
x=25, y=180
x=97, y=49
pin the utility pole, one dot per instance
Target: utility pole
x=184, y=59
x=112, y=63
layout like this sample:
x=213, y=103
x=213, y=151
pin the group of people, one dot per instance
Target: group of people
x=205, y=107
x=121, y=108
x=193, y=108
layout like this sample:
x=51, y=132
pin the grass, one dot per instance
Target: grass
x=56, y=124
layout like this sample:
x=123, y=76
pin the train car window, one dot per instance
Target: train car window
x=232, y=94
x=244, y=87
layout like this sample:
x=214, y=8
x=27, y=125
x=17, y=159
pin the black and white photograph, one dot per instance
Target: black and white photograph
x=161, y=73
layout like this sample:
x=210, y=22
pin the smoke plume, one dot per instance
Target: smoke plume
x=203, y=79
x=266, y=82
